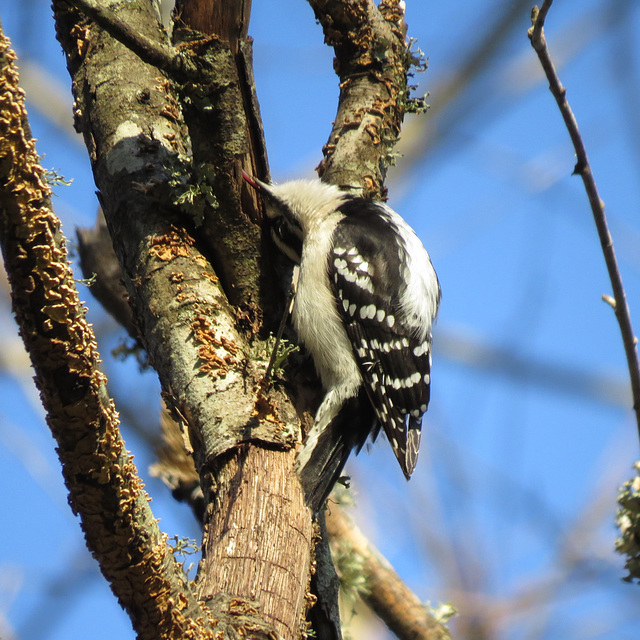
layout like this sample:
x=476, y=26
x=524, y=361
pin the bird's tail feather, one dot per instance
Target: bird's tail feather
x=348, y=430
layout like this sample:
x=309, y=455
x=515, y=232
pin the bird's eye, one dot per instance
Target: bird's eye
x=287, y=237
x=281, y=228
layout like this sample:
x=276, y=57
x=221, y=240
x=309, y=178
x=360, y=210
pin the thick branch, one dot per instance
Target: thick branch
x=215, y=73
x=151, y=51
x=204, y=350
x=583, y=168
x=387, y=595
x=102, y=480
x=226, y=137
x=137, y=143
x=371, y=61
x=258, y=531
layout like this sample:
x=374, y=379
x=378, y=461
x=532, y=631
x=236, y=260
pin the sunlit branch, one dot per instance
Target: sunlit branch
x=583, y=168
x=104, y=487
x=156, y=53
x=387, y=595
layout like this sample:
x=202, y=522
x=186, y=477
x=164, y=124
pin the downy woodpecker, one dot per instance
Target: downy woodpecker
x=366, y=300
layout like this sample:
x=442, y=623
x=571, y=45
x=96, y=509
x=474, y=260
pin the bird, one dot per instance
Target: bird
x=366, y=300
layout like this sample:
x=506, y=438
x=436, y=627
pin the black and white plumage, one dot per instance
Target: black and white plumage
x=365, y=304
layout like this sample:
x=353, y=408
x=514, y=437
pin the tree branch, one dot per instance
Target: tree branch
x=258, y=535
x=583, y=168
x=387, y=595
x=104, y=488
x=151, y=51
x=267, y=550
x=372, y=63
x=186, y=324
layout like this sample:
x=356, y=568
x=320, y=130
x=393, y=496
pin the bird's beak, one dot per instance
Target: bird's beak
x=258, y=185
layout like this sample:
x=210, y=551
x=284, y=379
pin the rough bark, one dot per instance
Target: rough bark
x=155, y=150
x=225, y=128
x=105, y=490
x=372, y=63
x=257, y=538
x=265, y=553
x=204, y=349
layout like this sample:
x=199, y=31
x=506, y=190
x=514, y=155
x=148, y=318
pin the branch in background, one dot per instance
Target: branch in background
x=583, y=168
x=50, y=97
x=387, y=595
x=450, y=101
x=629, y=498
x=175, y=467
x=103, y=484
x=101, y=269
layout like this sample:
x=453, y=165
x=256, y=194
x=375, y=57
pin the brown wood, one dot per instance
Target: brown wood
x=258, y=540
x=258, y=531
x=228, y=19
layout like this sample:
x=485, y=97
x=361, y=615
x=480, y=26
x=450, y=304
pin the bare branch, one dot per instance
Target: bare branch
x=371, y=61
x=194, y=338
x=387, y=595
x=583, y=168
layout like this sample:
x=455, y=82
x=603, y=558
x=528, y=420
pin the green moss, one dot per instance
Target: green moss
x=193, y=194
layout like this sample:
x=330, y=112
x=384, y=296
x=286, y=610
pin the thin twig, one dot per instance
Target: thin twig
x=583, y=168
x=162, y=56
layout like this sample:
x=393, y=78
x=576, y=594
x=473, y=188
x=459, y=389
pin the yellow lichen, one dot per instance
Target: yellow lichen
x=265, y=409
x=211, y=348
x=171, y=244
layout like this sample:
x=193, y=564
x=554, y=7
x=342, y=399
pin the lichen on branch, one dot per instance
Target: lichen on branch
x=373, y=61
x=104, y=488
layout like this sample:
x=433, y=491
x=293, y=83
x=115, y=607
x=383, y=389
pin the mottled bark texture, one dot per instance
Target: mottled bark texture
x=265, y=553
x=372, y=63
x=225, y=129
x=103, y=484
x=186, y=247
x=168, y=129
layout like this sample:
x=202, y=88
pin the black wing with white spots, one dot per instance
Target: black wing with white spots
x=367, y=273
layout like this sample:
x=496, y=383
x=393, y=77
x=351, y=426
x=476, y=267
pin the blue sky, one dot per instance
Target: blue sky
x=529, y=432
